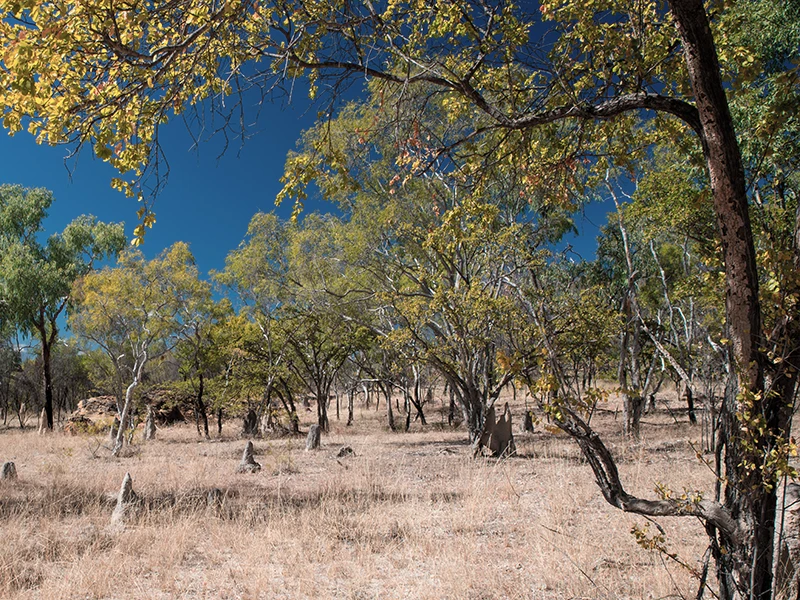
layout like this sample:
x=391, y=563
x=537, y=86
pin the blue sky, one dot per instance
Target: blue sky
x=207, y=202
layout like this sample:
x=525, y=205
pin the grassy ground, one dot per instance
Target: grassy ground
x=408, y=516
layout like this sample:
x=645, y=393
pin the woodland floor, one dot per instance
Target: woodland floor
x=411, y=515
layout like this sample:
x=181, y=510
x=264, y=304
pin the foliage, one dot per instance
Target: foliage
x=35, y=278
x=131, y=312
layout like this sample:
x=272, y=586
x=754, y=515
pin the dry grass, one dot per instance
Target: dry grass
x=409, y=516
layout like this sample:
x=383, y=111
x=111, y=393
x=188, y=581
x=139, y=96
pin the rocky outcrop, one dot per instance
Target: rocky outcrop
x=93, y=416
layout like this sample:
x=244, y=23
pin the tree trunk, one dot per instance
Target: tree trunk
x=200, y=409
x=350, y=395
x=322, y=410
x=389, y=413
x=123, y=417
x=632, y=409
x=47, y=378
x=451, y=413
x=745, y=568
x=630, y=347
x=420, y=414
x=690, y=405
x=474, y=413
x=219, y=421
x=287, y=399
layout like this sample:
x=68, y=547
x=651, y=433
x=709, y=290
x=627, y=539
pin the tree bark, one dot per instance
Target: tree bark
x=47, y=380
x=745, y=568
x=389, y=413
x=200, y=408
x=451, y=412
x=47, y=377
x=350, y=394
x=123, y=417
x=322, y=410
x=287, y=399
x=690, y=405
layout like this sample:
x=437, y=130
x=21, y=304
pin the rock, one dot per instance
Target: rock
x=502, y=439
x=169, y=406
x=250, y=423
x=248, y=463
x=92, y=416
x=488, y=426
x=313, y=439
x=127, y=502
x=214, y=498
x=9, y=471
x=345, y=451
x=150, y=424
x=169, y=415
x=95, y=415
x=43, y=422
x=497, y=435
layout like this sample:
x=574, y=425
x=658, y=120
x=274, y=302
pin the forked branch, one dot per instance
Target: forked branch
x=607, y=476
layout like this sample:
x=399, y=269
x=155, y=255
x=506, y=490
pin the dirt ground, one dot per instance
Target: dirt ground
x=409, y=515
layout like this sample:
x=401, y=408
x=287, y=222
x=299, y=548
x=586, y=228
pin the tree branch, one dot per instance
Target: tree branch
x=607, y=477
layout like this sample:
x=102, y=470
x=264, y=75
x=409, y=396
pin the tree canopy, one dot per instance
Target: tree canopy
x=556, y=102
x=36, y=279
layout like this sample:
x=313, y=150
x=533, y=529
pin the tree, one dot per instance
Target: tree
x=671, y=228
x=10, y=364
x=131, y=312
x=430, y=258
x=256, y=273
x=289, y=278
x=37, y=278
x=198, y=349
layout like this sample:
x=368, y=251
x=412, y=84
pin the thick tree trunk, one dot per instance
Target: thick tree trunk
x=632, y=409
x=451, y=413
x=745, y=568
x=474, y=412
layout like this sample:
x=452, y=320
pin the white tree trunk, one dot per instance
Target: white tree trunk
x=126, y=408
